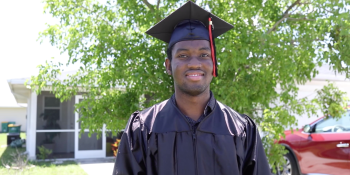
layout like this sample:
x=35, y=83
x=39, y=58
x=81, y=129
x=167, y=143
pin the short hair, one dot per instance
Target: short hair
x=169, y=52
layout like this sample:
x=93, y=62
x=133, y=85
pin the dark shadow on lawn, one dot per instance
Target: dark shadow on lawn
x=10, y=156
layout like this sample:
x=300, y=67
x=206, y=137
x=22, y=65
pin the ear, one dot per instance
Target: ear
x=168, y=66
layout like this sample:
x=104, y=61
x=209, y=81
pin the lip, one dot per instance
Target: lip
x=195, y=76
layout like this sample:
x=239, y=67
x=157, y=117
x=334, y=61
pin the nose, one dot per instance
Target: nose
x=194, y=63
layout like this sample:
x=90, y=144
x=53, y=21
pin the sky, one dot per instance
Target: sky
x=20, y=52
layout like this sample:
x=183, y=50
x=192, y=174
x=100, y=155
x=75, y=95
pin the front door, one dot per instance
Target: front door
x=85, y=146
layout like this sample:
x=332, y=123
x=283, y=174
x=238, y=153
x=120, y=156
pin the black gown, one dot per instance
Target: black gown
x=159, y=140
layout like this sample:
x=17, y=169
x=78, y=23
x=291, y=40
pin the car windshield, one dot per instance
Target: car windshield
x=334, y=125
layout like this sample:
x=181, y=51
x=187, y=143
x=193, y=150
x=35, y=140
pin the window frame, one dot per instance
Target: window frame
x=44, y=108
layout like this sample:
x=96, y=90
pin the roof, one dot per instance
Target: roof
x=22, y=92
x=19, y=105
x=19, y=90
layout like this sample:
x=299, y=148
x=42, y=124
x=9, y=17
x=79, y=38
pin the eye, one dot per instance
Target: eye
x=182, y=56
x=205, y=55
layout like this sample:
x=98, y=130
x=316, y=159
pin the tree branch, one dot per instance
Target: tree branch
x=300, y=19
x=158, y=4
x=290, y=8
x=305, y=3
x=150, y=6
x=285, y=15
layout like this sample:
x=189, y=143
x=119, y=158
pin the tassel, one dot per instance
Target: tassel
x=212, y=48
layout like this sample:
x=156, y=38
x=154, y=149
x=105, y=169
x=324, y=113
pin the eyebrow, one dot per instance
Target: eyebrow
x=205, y=48
x=182, y=49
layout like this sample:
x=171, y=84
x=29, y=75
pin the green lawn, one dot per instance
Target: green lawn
x=34, y=167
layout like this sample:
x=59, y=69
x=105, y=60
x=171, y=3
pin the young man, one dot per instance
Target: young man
x=191, y=133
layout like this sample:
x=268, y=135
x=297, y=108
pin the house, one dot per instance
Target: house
x=67, y=143
x=10, y=110
x=15, y=113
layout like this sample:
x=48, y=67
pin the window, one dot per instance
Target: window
x=334, y=125
x=51, y=112
x=52, y=102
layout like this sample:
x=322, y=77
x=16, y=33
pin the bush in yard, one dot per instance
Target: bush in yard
x=44, y=152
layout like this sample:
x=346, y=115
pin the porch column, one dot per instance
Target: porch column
x=28, y=125
x=32, y=123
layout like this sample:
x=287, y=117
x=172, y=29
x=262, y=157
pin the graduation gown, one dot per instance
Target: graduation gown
x=159, y=140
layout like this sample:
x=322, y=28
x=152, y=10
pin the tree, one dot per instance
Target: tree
x=273, y=43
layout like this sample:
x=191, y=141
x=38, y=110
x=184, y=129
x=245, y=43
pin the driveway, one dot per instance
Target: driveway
x=97, y=166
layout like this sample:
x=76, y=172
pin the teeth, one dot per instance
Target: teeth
x=194, y=75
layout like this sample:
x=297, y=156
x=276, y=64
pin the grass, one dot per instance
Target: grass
x=34, y=167
x=5, y=152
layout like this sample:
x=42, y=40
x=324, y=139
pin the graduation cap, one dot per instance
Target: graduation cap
x=190, y=22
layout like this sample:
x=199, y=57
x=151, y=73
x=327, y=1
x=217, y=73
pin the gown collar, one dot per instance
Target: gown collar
x=207, y=109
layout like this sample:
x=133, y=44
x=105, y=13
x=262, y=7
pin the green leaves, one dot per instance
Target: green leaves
x=331, y=101
x=273, y=47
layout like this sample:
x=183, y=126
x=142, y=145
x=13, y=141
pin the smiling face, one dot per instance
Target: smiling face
x=191, y=66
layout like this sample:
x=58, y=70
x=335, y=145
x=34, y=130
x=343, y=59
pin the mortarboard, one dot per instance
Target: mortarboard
x=190, y=22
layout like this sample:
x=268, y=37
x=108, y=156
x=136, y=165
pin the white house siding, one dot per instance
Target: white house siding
x=16, y=114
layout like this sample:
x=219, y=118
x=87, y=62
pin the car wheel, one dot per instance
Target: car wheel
x=290, y=168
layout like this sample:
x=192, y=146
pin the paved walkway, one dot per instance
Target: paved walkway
x=98, y=166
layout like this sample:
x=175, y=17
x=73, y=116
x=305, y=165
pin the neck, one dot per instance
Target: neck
x=192, y=106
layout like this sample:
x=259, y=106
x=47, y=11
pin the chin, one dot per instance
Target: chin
x=193, y=91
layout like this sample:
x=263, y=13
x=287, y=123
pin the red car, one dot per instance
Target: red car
x=322, y=147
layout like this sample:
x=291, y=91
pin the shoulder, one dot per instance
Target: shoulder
x=146, y=117
x=242, y=121
x=243, y=118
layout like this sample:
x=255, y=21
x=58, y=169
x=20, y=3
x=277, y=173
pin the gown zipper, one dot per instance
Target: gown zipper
x=195, y=148
x=194, y=136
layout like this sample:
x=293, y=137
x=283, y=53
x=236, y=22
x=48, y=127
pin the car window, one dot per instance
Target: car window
x=334, y=125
